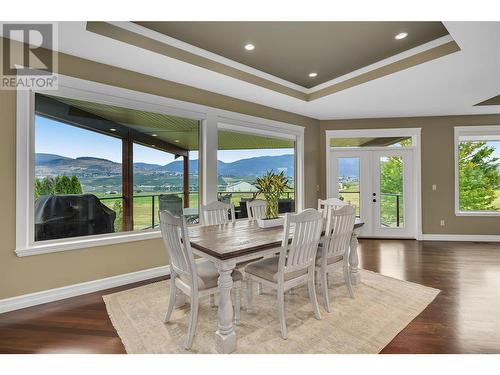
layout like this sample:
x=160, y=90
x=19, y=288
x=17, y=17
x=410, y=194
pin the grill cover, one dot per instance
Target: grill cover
x=63, y=216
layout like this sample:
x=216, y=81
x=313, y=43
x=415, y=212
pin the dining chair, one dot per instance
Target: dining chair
x=216, y=213
x=323, y=205
x=196, y=279
x=335, y=247
x=294, y=266
x=256, y=209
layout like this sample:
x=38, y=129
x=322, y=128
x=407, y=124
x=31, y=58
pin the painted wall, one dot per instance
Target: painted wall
x=35, y=273
x=437, y=168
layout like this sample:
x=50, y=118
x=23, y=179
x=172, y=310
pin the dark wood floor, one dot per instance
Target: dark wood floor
x=464, y=318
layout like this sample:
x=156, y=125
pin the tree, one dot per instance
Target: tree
x=117, y=207
x=58, y=185
x=391, y=189
x=479, y=176
x=76, y=186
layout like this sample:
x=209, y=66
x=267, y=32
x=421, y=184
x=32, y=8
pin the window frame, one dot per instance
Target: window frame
x=76, y=88
x=460, y=131
x=296, y=136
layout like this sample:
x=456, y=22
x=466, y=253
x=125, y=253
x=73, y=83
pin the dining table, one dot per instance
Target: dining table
x=228, y=245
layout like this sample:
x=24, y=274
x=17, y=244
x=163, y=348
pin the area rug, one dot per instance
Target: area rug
x=382, y=307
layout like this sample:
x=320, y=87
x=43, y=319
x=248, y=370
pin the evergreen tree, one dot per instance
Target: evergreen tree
x=76, y=186
x=57, y=186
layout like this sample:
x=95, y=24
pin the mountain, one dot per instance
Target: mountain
x=243, y=168
x=50, y=164
x=41, y=158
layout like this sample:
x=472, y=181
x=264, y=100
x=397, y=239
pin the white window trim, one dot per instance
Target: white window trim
x=480, y=131
x=414, y=133
x=76, y=88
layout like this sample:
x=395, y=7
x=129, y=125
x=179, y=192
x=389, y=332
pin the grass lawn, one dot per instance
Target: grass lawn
x=143, y=214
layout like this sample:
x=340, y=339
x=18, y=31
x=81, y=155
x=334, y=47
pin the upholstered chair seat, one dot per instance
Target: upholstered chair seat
x=268, y=269
x=208, y=274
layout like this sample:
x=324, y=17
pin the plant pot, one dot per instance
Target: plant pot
x=270, y=223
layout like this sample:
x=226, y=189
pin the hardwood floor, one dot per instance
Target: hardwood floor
x=464, y=318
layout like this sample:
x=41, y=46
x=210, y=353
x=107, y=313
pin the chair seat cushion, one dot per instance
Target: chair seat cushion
x=329, y=261
x=268, y=269
x=208, y=274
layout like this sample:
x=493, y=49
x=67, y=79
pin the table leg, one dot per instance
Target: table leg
x=353, y=259
x=225, y=337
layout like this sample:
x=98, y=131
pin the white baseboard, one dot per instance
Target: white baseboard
x=461, y=237
x=32, y=299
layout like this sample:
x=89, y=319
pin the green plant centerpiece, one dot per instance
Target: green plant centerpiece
x=272, y=185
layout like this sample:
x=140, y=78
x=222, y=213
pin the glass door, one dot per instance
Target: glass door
x=352, y=183
x=379, y=184
x=392, y=195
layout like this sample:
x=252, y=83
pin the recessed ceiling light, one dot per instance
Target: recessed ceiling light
x=401, y=36
x=249, y=47
x=177, y=141
x=312, y=75
x=112, y=129
x=154, y=135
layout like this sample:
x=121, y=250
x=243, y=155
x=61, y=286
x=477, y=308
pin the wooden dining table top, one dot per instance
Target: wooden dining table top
x=236, y=239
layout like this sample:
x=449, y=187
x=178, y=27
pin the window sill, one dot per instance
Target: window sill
x=477, y=213
x=77, y=243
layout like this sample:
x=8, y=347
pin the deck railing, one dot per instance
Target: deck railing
x=154, y=203
x=398, y=200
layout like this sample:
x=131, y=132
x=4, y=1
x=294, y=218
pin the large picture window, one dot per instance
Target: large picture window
x=478, y=170
x=243, y=157
x=103, y=169
x=95, y=163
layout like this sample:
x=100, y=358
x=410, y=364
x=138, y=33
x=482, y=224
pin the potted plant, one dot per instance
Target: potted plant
x=272, y=185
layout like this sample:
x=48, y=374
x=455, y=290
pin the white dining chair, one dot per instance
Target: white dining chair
x=196, y=279
x=323, y=205
x=216, y=213
x=335, y=247
x=256, y=209
x=294, y=266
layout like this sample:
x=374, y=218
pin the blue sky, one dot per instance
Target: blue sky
x=53, y=137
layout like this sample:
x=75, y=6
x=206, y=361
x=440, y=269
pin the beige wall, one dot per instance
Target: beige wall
x=30, y=274
x=437, y=168
x=34, y=273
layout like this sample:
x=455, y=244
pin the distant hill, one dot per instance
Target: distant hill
x=244, y=167
x=50, y=164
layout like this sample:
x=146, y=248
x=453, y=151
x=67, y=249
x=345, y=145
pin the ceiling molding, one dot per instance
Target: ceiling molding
x=491, y=101
x=142, y=37
x=133, y=38
x=408, y=62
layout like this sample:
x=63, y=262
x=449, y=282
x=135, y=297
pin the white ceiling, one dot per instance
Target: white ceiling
x=450, y=85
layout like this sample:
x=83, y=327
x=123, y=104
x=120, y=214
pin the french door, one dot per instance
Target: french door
x=379, y=183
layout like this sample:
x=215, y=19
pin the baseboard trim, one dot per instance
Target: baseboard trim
x=38, y=298
x=461, y=237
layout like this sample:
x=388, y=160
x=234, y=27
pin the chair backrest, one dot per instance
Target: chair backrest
x=323, y=205
x=176, y=240
x=216, y=213
x=256, y=209
x=226, y=198
x=339, y=227
x=171, y=202
x=300, y=253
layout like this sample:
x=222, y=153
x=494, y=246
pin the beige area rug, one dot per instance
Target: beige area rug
x=382, y=308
